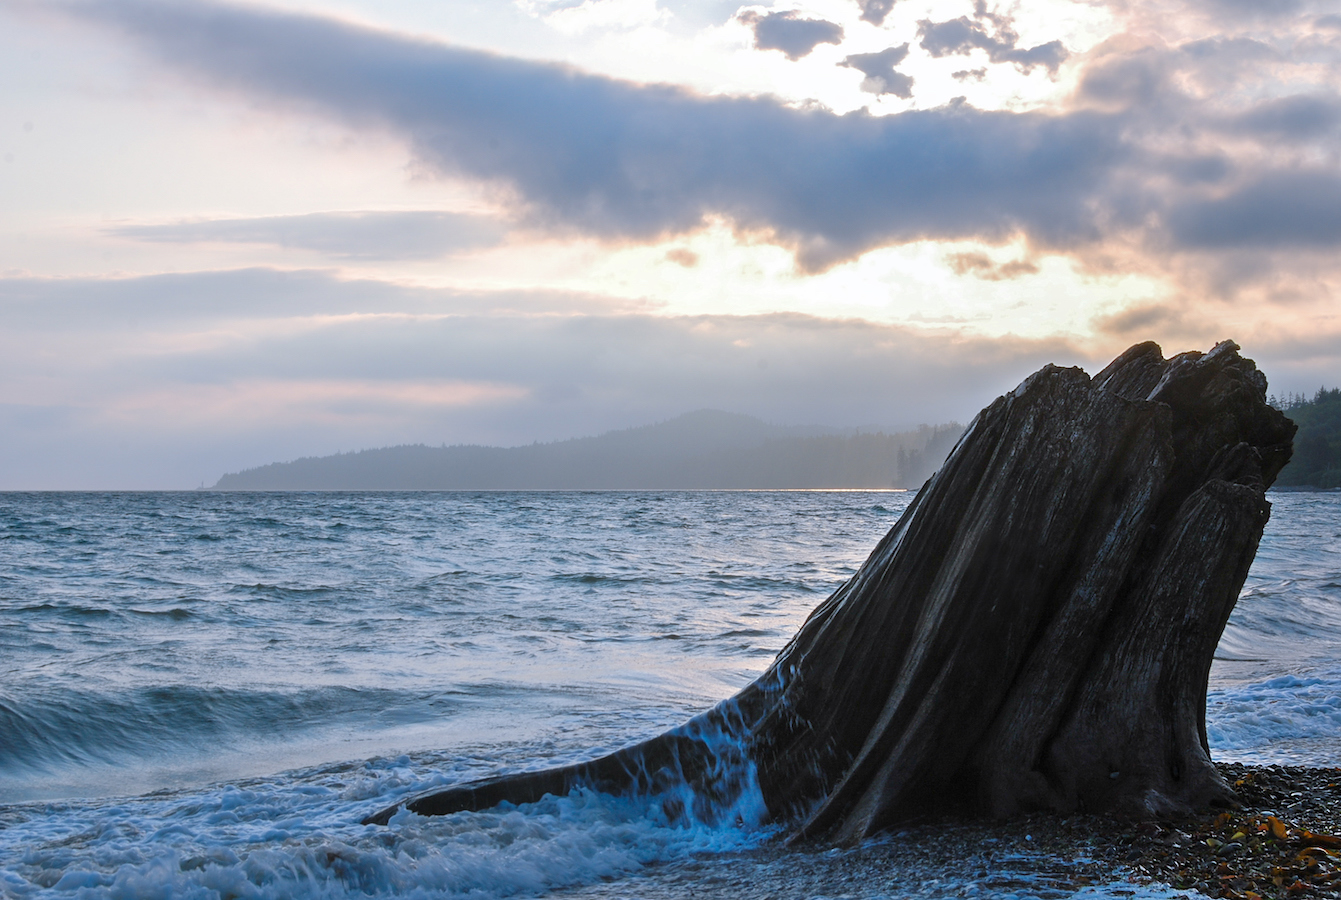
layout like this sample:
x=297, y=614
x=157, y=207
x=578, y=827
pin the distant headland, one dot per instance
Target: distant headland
x=703, y=450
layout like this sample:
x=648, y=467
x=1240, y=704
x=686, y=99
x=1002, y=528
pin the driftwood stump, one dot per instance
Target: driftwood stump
x=1036, y=632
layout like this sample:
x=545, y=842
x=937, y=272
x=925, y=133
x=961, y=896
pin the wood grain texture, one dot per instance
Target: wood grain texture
x=1035, y=632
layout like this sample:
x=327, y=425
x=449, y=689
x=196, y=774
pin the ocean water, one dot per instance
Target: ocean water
x=204, y=693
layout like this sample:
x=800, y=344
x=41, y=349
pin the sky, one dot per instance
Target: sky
x=239, y=233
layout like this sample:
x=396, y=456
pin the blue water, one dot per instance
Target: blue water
x=203, y=693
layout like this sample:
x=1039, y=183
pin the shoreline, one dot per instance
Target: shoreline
x=1284, y=841
x=1281, y=843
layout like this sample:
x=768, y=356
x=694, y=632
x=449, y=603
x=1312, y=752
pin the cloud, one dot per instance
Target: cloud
x=345, y=235
x=1141, y=319
x=875, y=11
x=633, y=162
x=309, y=363
x=1284, y=209
x=121, y=307
x=1234, y=198
x=1129, y=78
x=788, y=32
x=1303, y=116
x=879, y=71
x=176, y=379
x=1254, y=9
x=1155, y=159
x=983, y=266
x=959, y=37
x=682, y=256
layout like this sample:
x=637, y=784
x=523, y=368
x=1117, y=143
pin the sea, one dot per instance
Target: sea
x=203, y=693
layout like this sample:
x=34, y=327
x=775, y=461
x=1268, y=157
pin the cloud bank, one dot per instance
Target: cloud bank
x=632, y=162
x=1132, y=159
x=178, y=378
x=591, y=155
x=170, y=380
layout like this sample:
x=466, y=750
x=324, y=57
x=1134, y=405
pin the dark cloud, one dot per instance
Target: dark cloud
x=351, y=235
x=1298, y=117
x=1282, y=210
x=620, y=161
x=788, y=32
x=1140, y=320
x=1216, y=66
x=1232, y=51
x=1197, y=89
x=879, y=71
x=874, y=11
x=1137, y=78
x=1195, y=169
x=969, y=75
x=1253, y=9
x=626, y=161
x=959, y=37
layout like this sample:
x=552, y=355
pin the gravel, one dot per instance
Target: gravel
x=1281, y=843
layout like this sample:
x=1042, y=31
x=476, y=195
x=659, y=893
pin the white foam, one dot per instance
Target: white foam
x=1291, y=719
x=300, y=838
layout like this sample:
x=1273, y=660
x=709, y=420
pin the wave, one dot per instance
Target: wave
x=261, y=590
x=176, y=613
x=1292, y=719
x=64, y=728
x=298, y=835
x=73, y=610
x=594, y=578
x=1285, y=620
x=297, y=840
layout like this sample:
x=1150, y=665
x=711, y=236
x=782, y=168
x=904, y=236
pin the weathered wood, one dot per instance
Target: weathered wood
x=1035, y=632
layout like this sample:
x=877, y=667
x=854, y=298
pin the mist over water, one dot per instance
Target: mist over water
x=276, y=666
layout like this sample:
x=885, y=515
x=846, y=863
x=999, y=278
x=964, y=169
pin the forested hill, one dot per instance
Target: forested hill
x=1317, y=446
x=703, y=450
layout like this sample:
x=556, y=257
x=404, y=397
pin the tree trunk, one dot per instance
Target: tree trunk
x=1036, y=632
